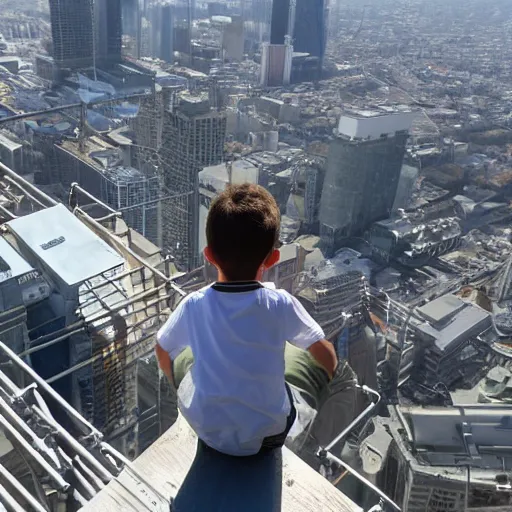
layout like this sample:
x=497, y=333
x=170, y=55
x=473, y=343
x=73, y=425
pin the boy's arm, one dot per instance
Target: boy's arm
x=164, y=362
x=172, y=338
x=303, y=332
x=323, y=351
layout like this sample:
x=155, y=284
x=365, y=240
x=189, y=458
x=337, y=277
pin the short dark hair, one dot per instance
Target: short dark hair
x=242, y=229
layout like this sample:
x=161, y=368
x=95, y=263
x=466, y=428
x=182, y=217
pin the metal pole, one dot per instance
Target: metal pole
x=87, y=428
x=49, y=343
x=362, y=479
x=17, y=485
x=76, y=186
x=131, y=253
x=18, y=179
x=105, y=475
x=9, y=500
x=38, y=443
x=347, y=430
x=61, y=483
x=15, y=183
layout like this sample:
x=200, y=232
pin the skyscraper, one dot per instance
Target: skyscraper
x=86, y=32
x=309, y=27
x=193, y=138
x=363, y=169
x=108, y=30
x=72, y=32
x=276, y=57
x=279, y=26
x=161, y=31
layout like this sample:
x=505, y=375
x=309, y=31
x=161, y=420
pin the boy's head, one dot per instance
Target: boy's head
x=242, y=232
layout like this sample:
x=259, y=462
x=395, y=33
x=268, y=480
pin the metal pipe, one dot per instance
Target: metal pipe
x=26, y=495
x=9, y=500
x=351, y=425
x=49, y=343
x=76, y=186
x=362, y=479
x=7, y=212
x=93, y=359
x=5, y=170
x=61, y=483
x=134, y=255
x=87, y=428
x=9, y=384
x=96, y=482
x=154, y=201
x=109, y=216
x=36, y=441
x=116, y=277
x=62, y=108
x=72, y=369
x=79, y=449
x=83, y=482
x=127, y=302
x=14, y=182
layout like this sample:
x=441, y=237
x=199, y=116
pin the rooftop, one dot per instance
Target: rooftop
x=56, y=237
x=217, y=176
x=8, y=143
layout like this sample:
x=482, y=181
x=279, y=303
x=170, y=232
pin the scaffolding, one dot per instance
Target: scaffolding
x=111, y=337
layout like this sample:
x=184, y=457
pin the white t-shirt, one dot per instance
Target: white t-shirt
x=235, y=396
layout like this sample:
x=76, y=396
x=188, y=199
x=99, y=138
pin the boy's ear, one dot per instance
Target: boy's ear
x=209, y=255
x=272, y=259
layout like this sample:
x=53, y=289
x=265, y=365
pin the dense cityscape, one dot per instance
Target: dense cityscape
x=383, y=129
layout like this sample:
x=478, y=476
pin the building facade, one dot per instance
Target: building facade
x=193, y=138
x=309, y=28
x=72, y=32
x=108, y=30
x=363, y=170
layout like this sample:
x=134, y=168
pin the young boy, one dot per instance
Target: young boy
x=234, y=396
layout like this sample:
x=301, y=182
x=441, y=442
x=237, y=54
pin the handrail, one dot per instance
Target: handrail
x=24, y=184
x=86, y=427
x=324, y=454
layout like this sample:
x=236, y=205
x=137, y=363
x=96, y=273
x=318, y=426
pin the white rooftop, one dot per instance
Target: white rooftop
x=65, y=245
x=18, y=265
x=217, y=176
x=8, y=143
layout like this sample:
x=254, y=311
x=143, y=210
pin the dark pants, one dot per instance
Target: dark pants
x=237, y=476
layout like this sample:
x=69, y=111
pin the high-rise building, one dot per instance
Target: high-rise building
x=72, y=32
x=276, y=64
x=280, y=23
x=108, y=30
x=309, y=32
x=161, y=32
x=193, y=138
x=86, y=32
x=276, y=57
x=363, y=169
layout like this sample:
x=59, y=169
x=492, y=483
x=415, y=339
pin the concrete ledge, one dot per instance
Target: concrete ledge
x=165, y=464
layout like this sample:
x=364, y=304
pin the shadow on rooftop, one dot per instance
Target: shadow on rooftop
x=220, y=483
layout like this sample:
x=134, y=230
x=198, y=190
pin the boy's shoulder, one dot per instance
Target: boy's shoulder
x=278, y=293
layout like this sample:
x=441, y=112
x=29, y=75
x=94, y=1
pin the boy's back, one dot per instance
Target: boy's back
x=235, y=394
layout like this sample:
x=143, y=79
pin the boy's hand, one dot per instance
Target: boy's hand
x=164, y=361
x=323, y=351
